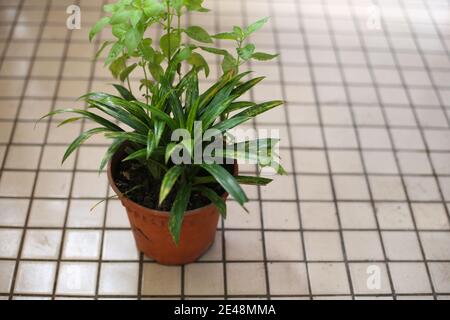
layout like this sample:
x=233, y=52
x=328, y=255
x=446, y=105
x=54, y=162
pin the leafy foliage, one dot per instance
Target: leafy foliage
x=167, y=102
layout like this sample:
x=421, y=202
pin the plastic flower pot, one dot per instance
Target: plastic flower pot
x=151, y=231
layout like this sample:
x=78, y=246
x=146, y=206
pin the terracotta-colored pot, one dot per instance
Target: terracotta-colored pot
x=151, y=231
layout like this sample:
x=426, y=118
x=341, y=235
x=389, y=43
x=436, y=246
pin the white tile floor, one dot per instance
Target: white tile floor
x=365, y=139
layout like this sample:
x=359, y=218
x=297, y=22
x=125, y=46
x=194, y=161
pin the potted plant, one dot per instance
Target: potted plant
x=174, y=189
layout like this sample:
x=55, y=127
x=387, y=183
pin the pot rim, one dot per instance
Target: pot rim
x=121, y=196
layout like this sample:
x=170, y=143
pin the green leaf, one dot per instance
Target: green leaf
x=239, y=105
x=70, y=120
x=238, y=31
x=119, y=30
x=158, y=114
x=152, y=8
x=255, y=26
x=214, y=198
x=220, y=52
x=126, y=72
x=183, y=145
x=98, y=27
x=246, y=52
x=169, y=43
x=229, y=63
x=150, y=144
x=156, y=71
x=82, y=138
x=259, y=181
x=120, y=16
x=135, y=17
x=199, y=34
x=110, y=152
x=227, y=181
x=114, y=52
x=261, y=56
x=103, y=46
x=226, y=36
x=177, y=212
x=168, y=182
x=132, y=39
x=117, y=66
x=243, y=88
x=124, y=92
x=199, y=62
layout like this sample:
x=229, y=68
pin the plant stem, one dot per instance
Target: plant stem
x=169, y=21
x=146, y=82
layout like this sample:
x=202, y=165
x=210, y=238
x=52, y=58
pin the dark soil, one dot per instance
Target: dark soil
x=131, y=174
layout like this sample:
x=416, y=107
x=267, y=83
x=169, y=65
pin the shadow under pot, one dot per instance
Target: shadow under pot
x=150, y=227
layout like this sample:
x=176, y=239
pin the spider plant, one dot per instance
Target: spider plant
x=169, y=100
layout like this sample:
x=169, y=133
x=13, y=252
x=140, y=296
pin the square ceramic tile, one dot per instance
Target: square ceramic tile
x=345, y=161
x=204, y=279
x=394, y=215
x=246, y=278
x=351, y=187
x=374, y=138
x=116, y=215
x=370, y=278
x=234, y=249
x=310, y=161
x=14, y=212
x=439, y=274
x=288, y=278
x=6, y=275
x=35, y=277
x=435, y=245
x=323, y=246
x=42, y=244
x=422, y=189
x=356, y=215
x=89, y=185
x=340, y=138
x=328, y=278
x=119, y=245
x=52, y=157
x=414, y=163
x=83, y=215
x=380, y=162
x=280, y=215
x=386, y=188
x=16, y=183
x=47, y=213
x=430, y=216
x=401, y=245
x=283, y=245
x=23, y=157
x=363, y=245
x=77, y=278
x=237, y=217
x=410, y=277
x=53, y=184
x=119, y=278
x=161, y=280
x=81, y=245
x=279, y=189
x=314, y=187
x=9, y=242
x=318, y=215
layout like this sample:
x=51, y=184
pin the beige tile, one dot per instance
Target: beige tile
x=9, y=242
x=369, y=278
x=436, y=245
x=81, y=216
x=50, y=50
x=89, y=158
x=422, y=188
x=380, y=162
x=386, y=188
x=310, y=161
x=393, y=215
x=401, y=245
x=314, y=187
x=119, y=245
x=54, y=33
x=15, y=68
x=345, y=161
x=89, y=185
x=14, y=212
x=81, y=245
x=214, y=253
x=35, y=277
x=410, y=277
x=363, y=245
x=280, y=215
x=42, y=244
x=323, y=246
x=77, y=278
x=430, y=216
x=279, y=189
x=9, y=109
x=328, y=278
x=283, y=245
x=11, y=88
x=161, y=280
x=204, y=279
x=72, y=88
x=53, y=184
x=52, y=157
x=44, y=68
x=119, y=278
x=16, y=184
x=356, y=215
x=29, y=133
x=20, y=49
x=116, y=215
x=237, y=217
x=236, y=251
x=440, y=274
x=41, y=88
x=6, y=275
x=350, y=188
x=80, y=50
x=34, y=109
x=5, y=131
x=288, y=278
x=23, y=157
x=246, y=278
x=47, y=213
x=77, y=69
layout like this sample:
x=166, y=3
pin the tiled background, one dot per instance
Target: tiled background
x=366, y=142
